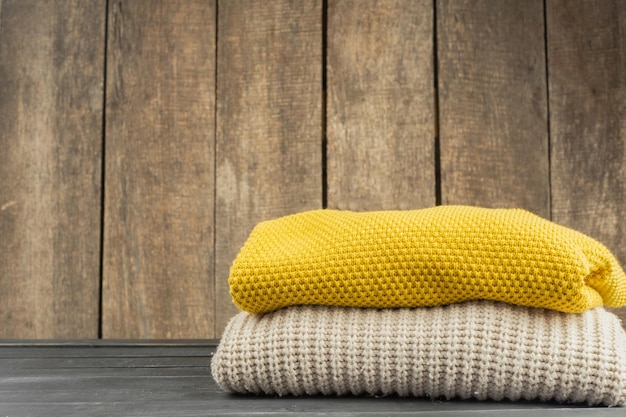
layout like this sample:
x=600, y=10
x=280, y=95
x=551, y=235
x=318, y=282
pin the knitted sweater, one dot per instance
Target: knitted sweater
x=419, y=258
x=479, y=349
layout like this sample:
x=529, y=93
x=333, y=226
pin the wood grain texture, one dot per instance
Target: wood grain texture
x=269, y=122
x=587, y=76
x=158, y=248
x=493, y=105
x=381, y=122
x=51, y=95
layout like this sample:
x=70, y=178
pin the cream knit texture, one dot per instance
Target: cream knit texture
x=477, y=349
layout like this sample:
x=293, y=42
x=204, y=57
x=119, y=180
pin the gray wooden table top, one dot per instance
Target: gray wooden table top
x=125, y=378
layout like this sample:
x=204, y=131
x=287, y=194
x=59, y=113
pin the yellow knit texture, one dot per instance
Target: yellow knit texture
x=420, y=258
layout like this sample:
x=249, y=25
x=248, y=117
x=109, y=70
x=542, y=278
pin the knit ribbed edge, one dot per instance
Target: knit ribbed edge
x=482, y=350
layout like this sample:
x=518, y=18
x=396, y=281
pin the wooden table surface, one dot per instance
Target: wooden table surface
x=166, y=378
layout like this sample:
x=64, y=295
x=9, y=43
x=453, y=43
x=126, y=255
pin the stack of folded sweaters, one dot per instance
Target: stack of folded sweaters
x=451, y=301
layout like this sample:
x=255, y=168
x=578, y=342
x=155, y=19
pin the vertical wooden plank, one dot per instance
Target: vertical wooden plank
x=381, y=124
x=269, y=122
x=51, y=81
x=159, y=189
x=493, y=106
x=587, y=76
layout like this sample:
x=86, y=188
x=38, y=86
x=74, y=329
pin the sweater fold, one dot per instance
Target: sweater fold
x=420, y=258
x=481, y=349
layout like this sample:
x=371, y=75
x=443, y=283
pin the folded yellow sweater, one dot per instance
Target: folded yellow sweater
x=418, y=258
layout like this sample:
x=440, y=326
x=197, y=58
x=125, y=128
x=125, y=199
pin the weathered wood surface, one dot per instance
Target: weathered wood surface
x=175, y=380
x=51, y=94
x=450, y=101
x=380, y=108
x=587, y=81
x=492, y=104
x=160, y=124
x=269, y=123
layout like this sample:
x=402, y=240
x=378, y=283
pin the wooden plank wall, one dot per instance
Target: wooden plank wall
x=159, y=170
x=51, y=108
x=493, y=104
x=140, y=141
x=380, y=105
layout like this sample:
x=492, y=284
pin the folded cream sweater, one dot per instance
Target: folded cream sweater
x=478, y=349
